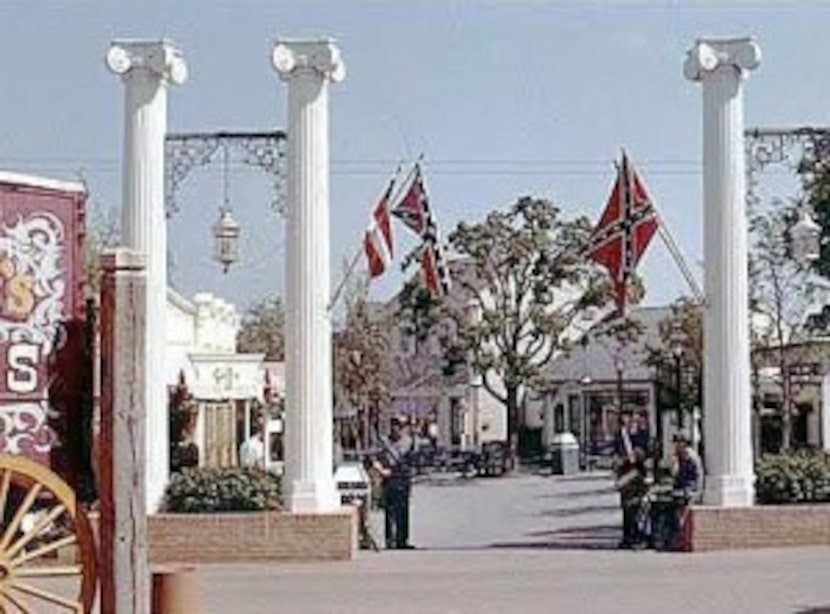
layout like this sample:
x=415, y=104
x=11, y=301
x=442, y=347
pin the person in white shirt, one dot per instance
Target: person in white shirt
x=432, y=431
x=252, y=452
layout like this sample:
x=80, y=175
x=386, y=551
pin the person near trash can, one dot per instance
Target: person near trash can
x=395, y=465
x=687, y=470
x=631, y=448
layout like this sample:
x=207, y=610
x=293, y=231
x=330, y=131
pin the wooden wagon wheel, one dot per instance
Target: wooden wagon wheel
x=39, y=515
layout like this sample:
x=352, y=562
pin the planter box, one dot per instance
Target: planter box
x=760, y=526
x=252, y=537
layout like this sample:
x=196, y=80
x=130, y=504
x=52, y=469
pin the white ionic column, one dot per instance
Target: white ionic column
x=147, y=67
x=308, y=67
x=824, y=410
x=721, y=65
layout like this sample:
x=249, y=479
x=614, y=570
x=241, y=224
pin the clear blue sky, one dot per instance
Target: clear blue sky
x=503, y=99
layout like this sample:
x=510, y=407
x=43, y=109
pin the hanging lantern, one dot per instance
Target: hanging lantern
x=677, y=341
x=226, y=234
x=806, y=238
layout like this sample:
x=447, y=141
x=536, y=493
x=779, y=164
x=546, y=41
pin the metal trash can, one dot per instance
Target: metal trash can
x=353, y=484
x=355, y=488
x=564, y=454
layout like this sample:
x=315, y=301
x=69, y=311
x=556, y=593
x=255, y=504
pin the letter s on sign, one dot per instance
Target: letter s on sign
x=21, y=376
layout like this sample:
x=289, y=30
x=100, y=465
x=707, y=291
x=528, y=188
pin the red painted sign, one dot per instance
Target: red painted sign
x=41, y=317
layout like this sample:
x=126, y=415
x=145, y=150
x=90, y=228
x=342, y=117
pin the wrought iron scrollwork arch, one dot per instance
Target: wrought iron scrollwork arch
x=794, y=149
x=185, y=151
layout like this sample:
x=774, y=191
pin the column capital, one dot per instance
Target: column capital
x=321, y=57
x=709, y=54
x=160, y=58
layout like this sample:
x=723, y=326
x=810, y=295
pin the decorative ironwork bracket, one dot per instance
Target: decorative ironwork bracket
x=184, y=151
x=797, y=150
x=791, y=148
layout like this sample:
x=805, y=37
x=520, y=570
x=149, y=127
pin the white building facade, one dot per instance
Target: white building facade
x=228, y=388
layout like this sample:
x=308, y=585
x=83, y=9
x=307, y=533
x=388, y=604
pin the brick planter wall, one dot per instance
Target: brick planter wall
x=252, y=537
x=761, y=526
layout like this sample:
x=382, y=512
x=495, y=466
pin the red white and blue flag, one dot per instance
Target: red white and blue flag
x=625, y=229
x=377, y=242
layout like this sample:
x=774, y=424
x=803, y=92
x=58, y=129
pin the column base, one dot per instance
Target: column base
x=729, y=490
x=312, y=497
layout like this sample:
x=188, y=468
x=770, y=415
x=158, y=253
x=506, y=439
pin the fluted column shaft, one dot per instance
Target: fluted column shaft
x=824, y=411
x=721, y=65
x=147, y=67
x=308, y=67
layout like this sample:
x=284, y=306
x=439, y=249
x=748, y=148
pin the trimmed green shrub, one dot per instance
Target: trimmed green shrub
x=799, y=477
x=233, y=489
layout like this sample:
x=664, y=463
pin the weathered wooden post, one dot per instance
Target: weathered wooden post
x=125, y=577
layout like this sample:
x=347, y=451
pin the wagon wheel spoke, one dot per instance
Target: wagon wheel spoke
x=50, y=571
x=4, y=492
x=35, y=531
x=18, y=517
x=39, y=552
x=19, y=603
x=25, y=583
x=45, y=595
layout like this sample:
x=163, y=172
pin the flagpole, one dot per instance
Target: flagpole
x=402, y=185
x=346, y=276
x=624, y=170
x=674, y=250
x=356, y=258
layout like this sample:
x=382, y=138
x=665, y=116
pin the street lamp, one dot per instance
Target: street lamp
x=806, y=238
x=226, y=236
x=657, y=455
x=619, y=366
x=185, y=151
x=677, y=342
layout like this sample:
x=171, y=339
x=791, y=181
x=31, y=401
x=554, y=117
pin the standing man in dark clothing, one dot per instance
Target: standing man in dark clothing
x=395, y=465
x=631, y=447
x=640, y=435
x=687, y=470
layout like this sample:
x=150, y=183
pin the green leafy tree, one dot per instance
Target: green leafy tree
x=362, y=373
x=102, y=232
x=781, y=294
x=683, y=326
x=262, y=331
x=520, y=281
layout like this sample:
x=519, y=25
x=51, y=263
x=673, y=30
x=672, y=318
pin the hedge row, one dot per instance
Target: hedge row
x=799, y=477
x=205, y=490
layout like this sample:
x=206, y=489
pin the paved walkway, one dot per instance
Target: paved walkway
x=526, y=544
x=523, y=511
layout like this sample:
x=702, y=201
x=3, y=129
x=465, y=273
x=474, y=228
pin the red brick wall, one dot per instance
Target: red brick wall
x=252, y=537
x=718, y=528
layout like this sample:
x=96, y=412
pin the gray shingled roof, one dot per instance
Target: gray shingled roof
x=596, y=359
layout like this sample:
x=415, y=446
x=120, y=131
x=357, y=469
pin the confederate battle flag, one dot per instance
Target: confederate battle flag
x=624, y=230
x=413, y=210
